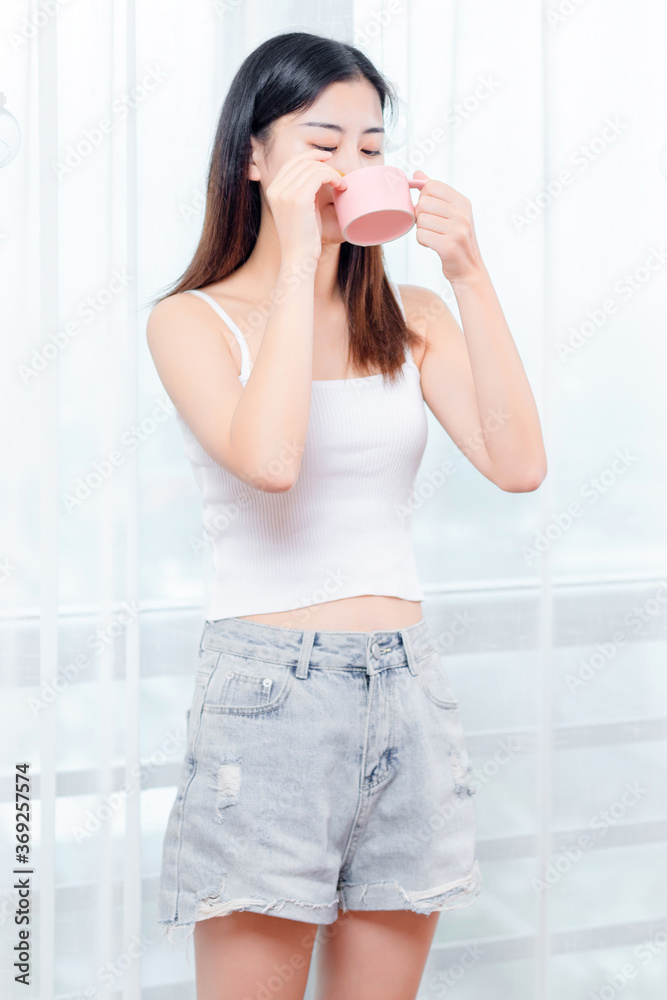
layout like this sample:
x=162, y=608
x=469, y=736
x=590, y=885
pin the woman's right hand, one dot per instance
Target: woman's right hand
x=291, y=195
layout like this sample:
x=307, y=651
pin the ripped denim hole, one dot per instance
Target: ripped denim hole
x=462, y=771
x=228, y=783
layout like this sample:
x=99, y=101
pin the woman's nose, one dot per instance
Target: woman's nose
x=347, y=164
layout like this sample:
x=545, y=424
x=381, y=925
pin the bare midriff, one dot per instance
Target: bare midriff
x=365, y=613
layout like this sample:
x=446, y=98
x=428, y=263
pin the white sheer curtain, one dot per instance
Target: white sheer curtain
x=549, y=607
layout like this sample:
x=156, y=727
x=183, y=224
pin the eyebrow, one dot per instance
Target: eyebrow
x=339, y=128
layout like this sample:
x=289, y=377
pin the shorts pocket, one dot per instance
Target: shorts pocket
x=246, y=685
x=435, y=681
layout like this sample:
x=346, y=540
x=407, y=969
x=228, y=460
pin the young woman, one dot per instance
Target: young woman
x=325, y=780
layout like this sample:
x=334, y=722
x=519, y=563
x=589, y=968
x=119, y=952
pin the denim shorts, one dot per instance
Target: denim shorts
x=322, y=770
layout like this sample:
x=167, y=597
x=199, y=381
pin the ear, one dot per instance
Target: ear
x=253, y=170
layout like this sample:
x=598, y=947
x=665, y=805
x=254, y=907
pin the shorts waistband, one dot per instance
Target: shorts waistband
x=322, y=648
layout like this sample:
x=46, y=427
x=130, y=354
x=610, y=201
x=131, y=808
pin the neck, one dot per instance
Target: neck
x=262, y=266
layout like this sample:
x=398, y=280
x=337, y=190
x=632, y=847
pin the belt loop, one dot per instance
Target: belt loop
x=409, y=652
x=304, y=653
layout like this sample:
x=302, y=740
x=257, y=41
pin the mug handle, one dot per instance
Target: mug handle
x=417, y=182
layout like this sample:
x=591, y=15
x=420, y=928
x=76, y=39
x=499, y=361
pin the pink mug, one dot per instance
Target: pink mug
x=376, y=206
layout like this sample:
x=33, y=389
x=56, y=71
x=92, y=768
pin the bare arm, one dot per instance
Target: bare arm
x=475, y=385
x=258, y=432
x=270, y=421
x=473, y=379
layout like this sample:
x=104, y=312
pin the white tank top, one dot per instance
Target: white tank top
x=345, y=527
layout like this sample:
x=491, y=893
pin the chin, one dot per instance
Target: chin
x=331, y=233
x=332, y=240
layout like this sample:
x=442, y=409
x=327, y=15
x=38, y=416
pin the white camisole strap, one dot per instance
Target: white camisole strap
x=246, y=363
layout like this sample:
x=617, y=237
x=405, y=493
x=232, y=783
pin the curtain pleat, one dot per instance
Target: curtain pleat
x=548, y=608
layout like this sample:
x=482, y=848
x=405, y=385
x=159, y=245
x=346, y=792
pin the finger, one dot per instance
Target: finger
x=339, y=180
x=438, y=206
x=296, y=164
x=434, y=223
x=307, y=183
x=302, y=171
x=444, y=191
x=427, y=238
x=333, y=175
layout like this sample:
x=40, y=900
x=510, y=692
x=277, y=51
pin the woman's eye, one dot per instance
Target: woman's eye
x=332, y=149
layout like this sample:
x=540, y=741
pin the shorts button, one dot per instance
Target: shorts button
x=266, y=681
x=230, y=673
x=375, y=650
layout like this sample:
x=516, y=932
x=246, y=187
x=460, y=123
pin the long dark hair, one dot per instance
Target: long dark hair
x=286, y=74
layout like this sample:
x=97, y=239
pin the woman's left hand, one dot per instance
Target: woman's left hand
x=444, y=223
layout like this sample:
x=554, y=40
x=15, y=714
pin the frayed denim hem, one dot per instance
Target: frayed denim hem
x=392, y=896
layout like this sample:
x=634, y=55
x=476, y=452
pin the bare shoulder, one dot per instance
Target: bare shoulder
x=428, y=314
x=188, y=341
x=423, y=302
x=170, y=311
x=173, y=320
